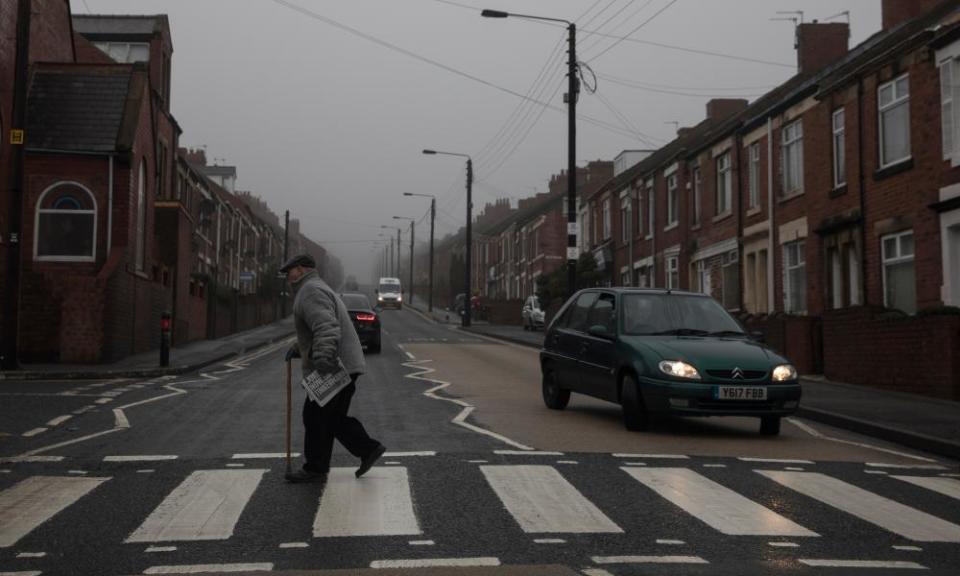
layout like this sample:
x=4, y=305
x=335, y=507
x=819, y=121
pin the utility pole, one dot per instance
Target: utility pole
x=398, y=252
x=433, y=215
x=466, y=287
x=411, y=262
x=573, y=89
x=286, y=256
x=11, y=308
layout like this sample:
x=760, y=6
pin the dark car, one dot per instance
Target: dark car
x=663, y=352
x=365, y=320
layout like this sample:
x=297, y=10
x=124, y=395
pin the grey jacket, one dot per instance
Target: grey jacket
x=325, y=331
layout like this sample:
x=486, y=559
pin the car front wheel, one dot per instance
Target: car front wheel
x=635, y=415
x=555, y=397
x=770, y=425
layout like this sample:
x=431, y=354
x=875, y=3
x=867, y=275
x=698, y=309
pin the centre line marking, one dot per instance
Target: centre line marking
x=549, y=541
x=648, y=560
x=666, y=456
x=421, y=542
x=671, y=542
x=161, y=549
x=774, y=460
x=294, y=545
x=31, y=555
x=140, y=458
x=408, y=454
x=526, y=453
x=59, y=420
x=908, y=548
x=783, y=544
x=34, y=432
x=263, y=456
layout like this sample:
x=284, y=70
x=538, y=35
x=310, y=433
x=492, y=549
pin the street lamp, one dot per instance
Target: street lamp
x=412, y=222
x=469, y=239
x=433, y=215
x=573, y=90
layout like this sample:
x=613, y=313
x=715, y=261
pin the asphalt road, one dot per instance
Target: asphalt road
x=186, y=473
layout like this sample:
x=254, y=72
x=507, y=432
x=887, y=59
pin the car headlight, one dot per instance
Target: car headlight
x=399, y=298
x=784, y=372
x=679, y=369
x=380, y=298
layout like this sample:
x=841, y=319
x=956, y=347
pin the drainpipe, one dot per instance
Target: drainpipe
x=863, y=200
x=110, y=206
x=771, y=255
x=630, y=235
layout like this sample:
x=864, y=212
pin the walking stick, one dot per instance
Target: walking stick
x=289, y=409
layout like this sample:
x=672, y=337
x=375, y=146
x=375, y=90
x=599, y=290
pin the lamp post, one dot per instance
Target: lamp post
x=573, y=90
x=413, y=221
x=433, y=216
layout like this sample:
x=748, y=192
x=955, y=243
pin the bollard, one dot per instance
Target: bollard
x=165, y=339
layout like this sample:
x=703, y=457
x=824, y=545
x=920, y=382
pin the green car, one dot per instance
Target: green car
x=660, y=352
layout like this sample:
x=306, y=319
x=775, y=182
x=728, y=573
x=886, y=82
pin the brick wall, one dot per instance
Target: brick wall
x=875, y=347
x=797, y=338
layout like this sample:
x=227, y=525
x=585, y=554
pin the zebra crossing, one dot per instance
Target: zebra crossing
x=534, y=498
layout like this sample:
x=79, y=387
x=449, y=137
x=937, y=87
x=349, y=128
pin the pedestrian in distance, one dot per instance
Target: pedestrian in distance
x=326, y=340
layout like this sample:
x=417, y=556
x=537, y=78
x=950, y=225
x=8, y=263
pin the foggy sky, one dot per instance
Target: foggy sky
x=330, y=125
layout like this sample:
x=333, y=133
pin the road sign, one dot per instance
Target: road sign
x=247, y=276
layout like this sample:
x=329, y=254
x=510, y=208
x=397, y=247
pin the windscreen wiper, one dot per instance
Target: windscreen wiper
x=728, y=333
x=682, y=332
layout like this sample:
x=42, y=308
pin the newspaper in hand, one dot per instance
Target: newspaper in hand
x=321, y=388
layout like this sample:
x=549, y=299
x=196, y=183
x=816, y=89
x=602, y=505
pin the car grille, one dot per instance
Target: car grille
x=747, y=374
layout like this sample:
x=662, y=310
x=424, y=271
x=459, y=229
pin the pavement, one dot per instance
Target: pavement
x=920, y=422
x=183, y=359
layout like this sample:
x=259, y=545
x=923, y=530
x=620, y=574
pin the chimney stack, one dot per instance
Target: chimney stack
x=720, y=108
x=898, y=11
x=819, y=45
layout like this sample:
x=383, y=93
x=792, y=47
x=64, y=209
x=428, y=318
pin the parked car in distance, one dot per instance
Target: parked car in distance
x=365, y=320
x=532, y=314
x=663, y=352
x=389, y=293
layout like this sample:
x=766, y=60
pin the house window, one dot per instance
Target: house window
x=697, y=195
x=839, y=148
x=625, y=212
x=899, y=276
x=66, y=224
x=607, y=224
x=141, y=240
x=753, y=174
x=949, y=112
x=731, y=280
x=650, y=212
x=795, y=277
x=894, y=104
x=672, y=201
x=673, y=272
x=792, y=159
x=724, y=184
x=702, y=276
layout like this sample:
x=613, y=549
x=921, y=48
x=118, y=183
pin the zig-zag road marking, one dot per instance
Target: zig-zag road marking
x=460, y=419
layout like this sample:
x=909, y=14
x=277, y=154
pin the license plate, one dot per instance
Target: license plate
x=740, y=393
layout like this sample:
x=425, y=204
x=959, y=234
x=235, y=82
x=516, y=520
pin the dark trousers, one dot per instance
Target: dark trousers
x=323, y=424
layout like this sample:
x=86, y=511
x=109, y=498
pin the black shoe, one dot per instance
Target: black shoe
x=306, y=477
x=367, y=463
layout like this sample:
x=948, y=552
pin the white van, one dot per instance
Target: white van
x=389, y=293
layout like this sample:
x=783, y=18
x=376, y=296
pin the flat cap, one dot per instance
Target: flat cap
x=304, y=260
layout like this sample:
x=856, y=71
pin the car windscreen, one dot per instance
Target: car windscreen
x=645, y=314
x=355, y=302
x=390, y=288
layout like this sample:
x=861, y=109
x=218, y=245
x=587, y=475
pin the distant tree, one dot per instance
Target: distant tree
x=554, y=286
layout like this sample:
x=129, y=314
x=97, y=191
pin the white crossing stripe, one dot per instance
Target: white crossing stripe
x=717, y=506
x=648, y=560
x=542, y=500
x=379, y=504
x=205, y=506
x=883, y=512
x=207, y=568
x=436, y=562
x=946, y=486
x=900, y=564
x=35, y=500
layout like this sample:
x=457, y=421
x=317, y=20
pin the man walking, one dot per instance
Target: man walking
x=325, y=338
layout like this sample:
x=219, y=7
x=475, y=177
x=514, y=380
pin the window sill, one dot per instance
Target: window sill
x=723, y=216
x=838, y=191
x=894, y=169
x=671, y=227
x=753, y=211
x=785, y=199
x=65, y=259
x=695, y=227
x=648, y=237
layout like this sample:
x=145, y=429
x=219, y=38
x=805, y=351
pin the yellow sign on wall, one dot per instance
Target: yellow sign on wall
x=16, y=137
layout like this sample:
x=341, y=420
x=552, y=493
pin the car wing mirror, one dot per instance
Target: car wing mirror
x=600, y=331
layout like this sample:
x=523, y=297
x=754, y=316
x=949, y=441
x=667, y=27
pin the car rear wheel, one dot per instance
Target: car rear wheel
x=770, y=425
x=635, y=415
x=555, y=397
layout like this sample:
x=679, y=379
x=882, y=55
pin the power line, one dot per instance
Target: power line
x=638, y=83
x=585, y=41
x=637, y=86
x=626, y=121
x=634, y=31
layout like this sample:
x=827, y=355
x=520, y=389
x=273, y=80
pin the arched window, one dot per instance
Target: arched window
x=141, y=240
x=66, y=224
